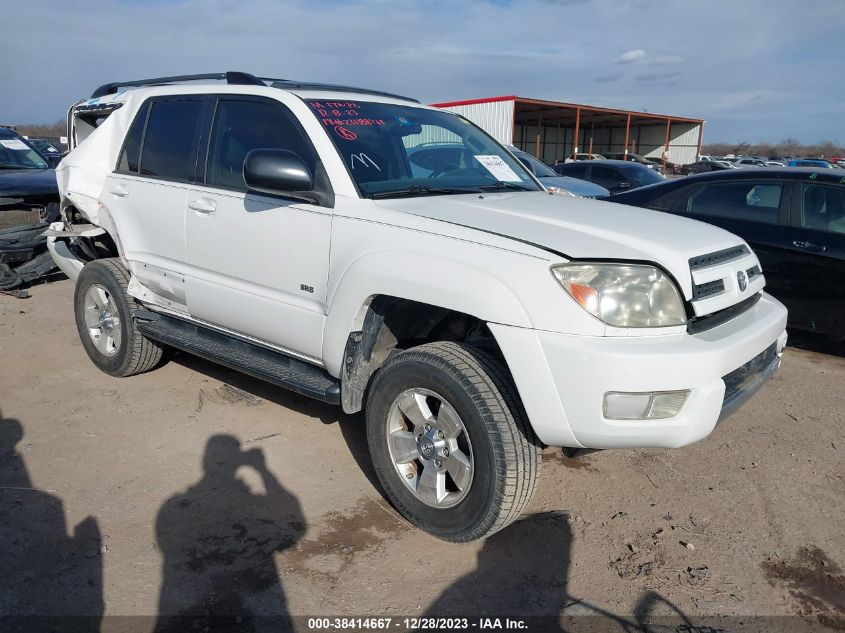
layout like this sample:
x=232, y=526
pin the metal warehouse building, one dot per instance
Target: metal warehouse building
x=553, y=131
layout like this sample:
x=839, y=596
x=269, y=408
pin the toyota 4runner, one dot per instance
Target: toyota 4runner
x=374, y=253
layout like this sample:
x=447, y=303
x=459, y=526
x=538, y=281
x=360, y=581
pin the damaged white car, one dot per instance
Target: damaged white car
x=297, y=232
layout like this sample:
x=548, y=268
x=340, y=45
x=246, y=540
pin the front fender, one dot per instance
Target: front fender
x=446, y=283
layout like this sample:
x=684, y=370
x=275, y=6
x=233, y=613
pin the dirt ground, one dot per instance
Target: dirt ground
x=195, y=490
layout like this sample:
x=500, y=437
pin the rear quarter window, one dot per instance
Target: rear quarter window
x=170, y=141
x=131, y=154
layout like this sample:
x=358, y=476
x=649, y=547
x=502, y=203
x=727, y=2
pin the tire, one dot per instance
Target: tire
x=503, y=452
x=100, y=295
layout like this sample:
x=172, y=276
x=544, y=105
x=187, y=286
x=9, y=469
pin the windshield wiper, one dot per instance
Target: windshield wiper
x=423, y=190
x=501, y=184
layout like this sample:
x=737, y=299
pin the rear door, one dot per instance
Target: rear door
x=147, y=192
x=258, y=264
x=815, y=256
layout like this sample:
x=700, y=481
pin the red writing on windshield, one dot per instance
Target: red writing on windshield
x=328, y=122
x=345, y=134
x=333, y=113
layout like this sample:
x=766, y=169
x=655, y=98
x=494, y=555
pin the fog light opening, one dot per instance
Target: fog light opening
x=652, y=405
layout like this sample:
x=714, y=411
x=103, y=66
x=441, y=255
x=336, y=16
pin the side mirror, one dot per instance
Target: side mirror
x=279, y=172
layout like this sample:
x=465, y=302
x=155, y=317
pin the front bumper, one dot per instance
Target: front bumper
x=563, y=378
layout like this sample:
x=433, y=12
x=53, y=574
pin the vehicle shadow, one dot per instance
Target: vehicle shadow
x=48, y=580
x=352, y=427
x=523, y=574
x=811, y=342
x=326, y=413
x=219, y=538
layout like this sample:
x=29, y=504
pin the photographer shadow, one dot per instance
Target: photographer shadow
x=218, y=539
x=49, y=580
x=522, y=574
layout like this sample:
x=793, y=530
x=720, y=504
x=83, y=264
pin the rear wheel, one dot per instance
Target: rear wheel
x=103, y=311
x=450, y=442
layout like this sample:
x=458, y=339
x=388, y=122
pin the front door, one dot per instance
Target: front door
x=258, y=264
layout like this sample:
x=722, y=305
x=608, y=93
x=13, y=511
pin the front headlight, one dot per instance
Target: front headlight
x=623, y=295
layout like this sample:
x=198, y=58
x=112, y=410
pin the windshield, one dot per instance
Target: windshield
x=44, y=146
x=397, y=150
x=641, y=175
x=538, y=168
x=16, y=154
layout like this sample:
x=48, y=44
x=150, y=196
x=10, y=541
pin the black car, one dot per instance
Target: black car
x=614, y=175
x=29, y=199
x=794, y=219
x=636, y=158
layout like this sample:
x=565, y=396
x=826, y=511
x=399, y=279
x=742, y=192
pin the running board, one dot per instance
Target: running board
x=259, y=362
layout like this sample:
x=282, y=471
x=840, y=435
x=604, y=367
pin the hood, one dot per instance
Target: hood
x=582, y=188
x=578, y=228
x=20, y=183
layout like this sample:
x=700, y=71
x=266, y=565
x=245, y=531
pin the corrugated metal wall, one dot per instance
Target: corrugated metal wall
x=683, y=142
x=556, y=143
x=494, y=117
x=683, y=148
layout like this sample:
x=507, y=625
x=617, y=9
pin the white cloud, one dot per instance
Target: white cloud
x=630, y=56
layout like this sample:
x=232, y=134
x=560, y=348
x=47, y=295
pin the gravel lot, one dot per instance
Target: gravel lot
x=195, y=490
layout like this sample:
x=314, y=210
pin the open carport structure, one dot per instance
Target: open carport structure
x=554, y=130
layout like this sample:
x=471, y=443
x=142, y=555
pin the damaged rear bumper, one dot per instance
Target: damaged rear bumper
x=23, y=255
x=58, y=244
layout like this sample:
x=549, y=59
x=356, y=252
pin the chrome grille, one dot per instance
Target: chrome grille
x=718, y=257
x=708, y=289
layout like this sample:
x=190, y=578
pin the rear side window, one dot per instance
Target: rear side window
x=607, y=177
x=242, y=126
x=170, y=142
x=131, y=155
x=749, y=201
x=573, y=170
x=823, y=207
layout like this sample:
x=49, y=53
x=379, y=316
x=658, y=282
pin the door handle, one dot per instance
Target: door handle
x=203, y=205
x=810, y=246
x=119, y=191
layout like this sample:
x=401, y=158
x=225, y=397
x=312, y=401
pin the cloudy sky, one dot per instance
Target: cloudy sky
x=757, y=70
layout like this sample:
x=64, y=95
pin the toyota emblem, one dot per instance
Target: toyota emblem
x=742, y=280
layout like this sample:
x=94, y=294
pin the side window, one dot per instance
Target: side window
x=242, y=126
x=173, y=128
x=574, y=170
x=131, y=154
x=607, y=177
x=747, y=200
x=670, y=201
x=823, y=207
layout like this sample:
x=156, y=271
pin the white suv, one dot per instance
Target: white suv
x=360, y=248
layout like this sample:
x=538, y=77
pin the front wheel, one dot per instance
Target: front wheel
x=450, y=442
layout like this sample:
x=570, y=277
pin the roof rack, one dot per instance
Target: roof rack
x=229, y=77
x=289, y=84
x=240, y=78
